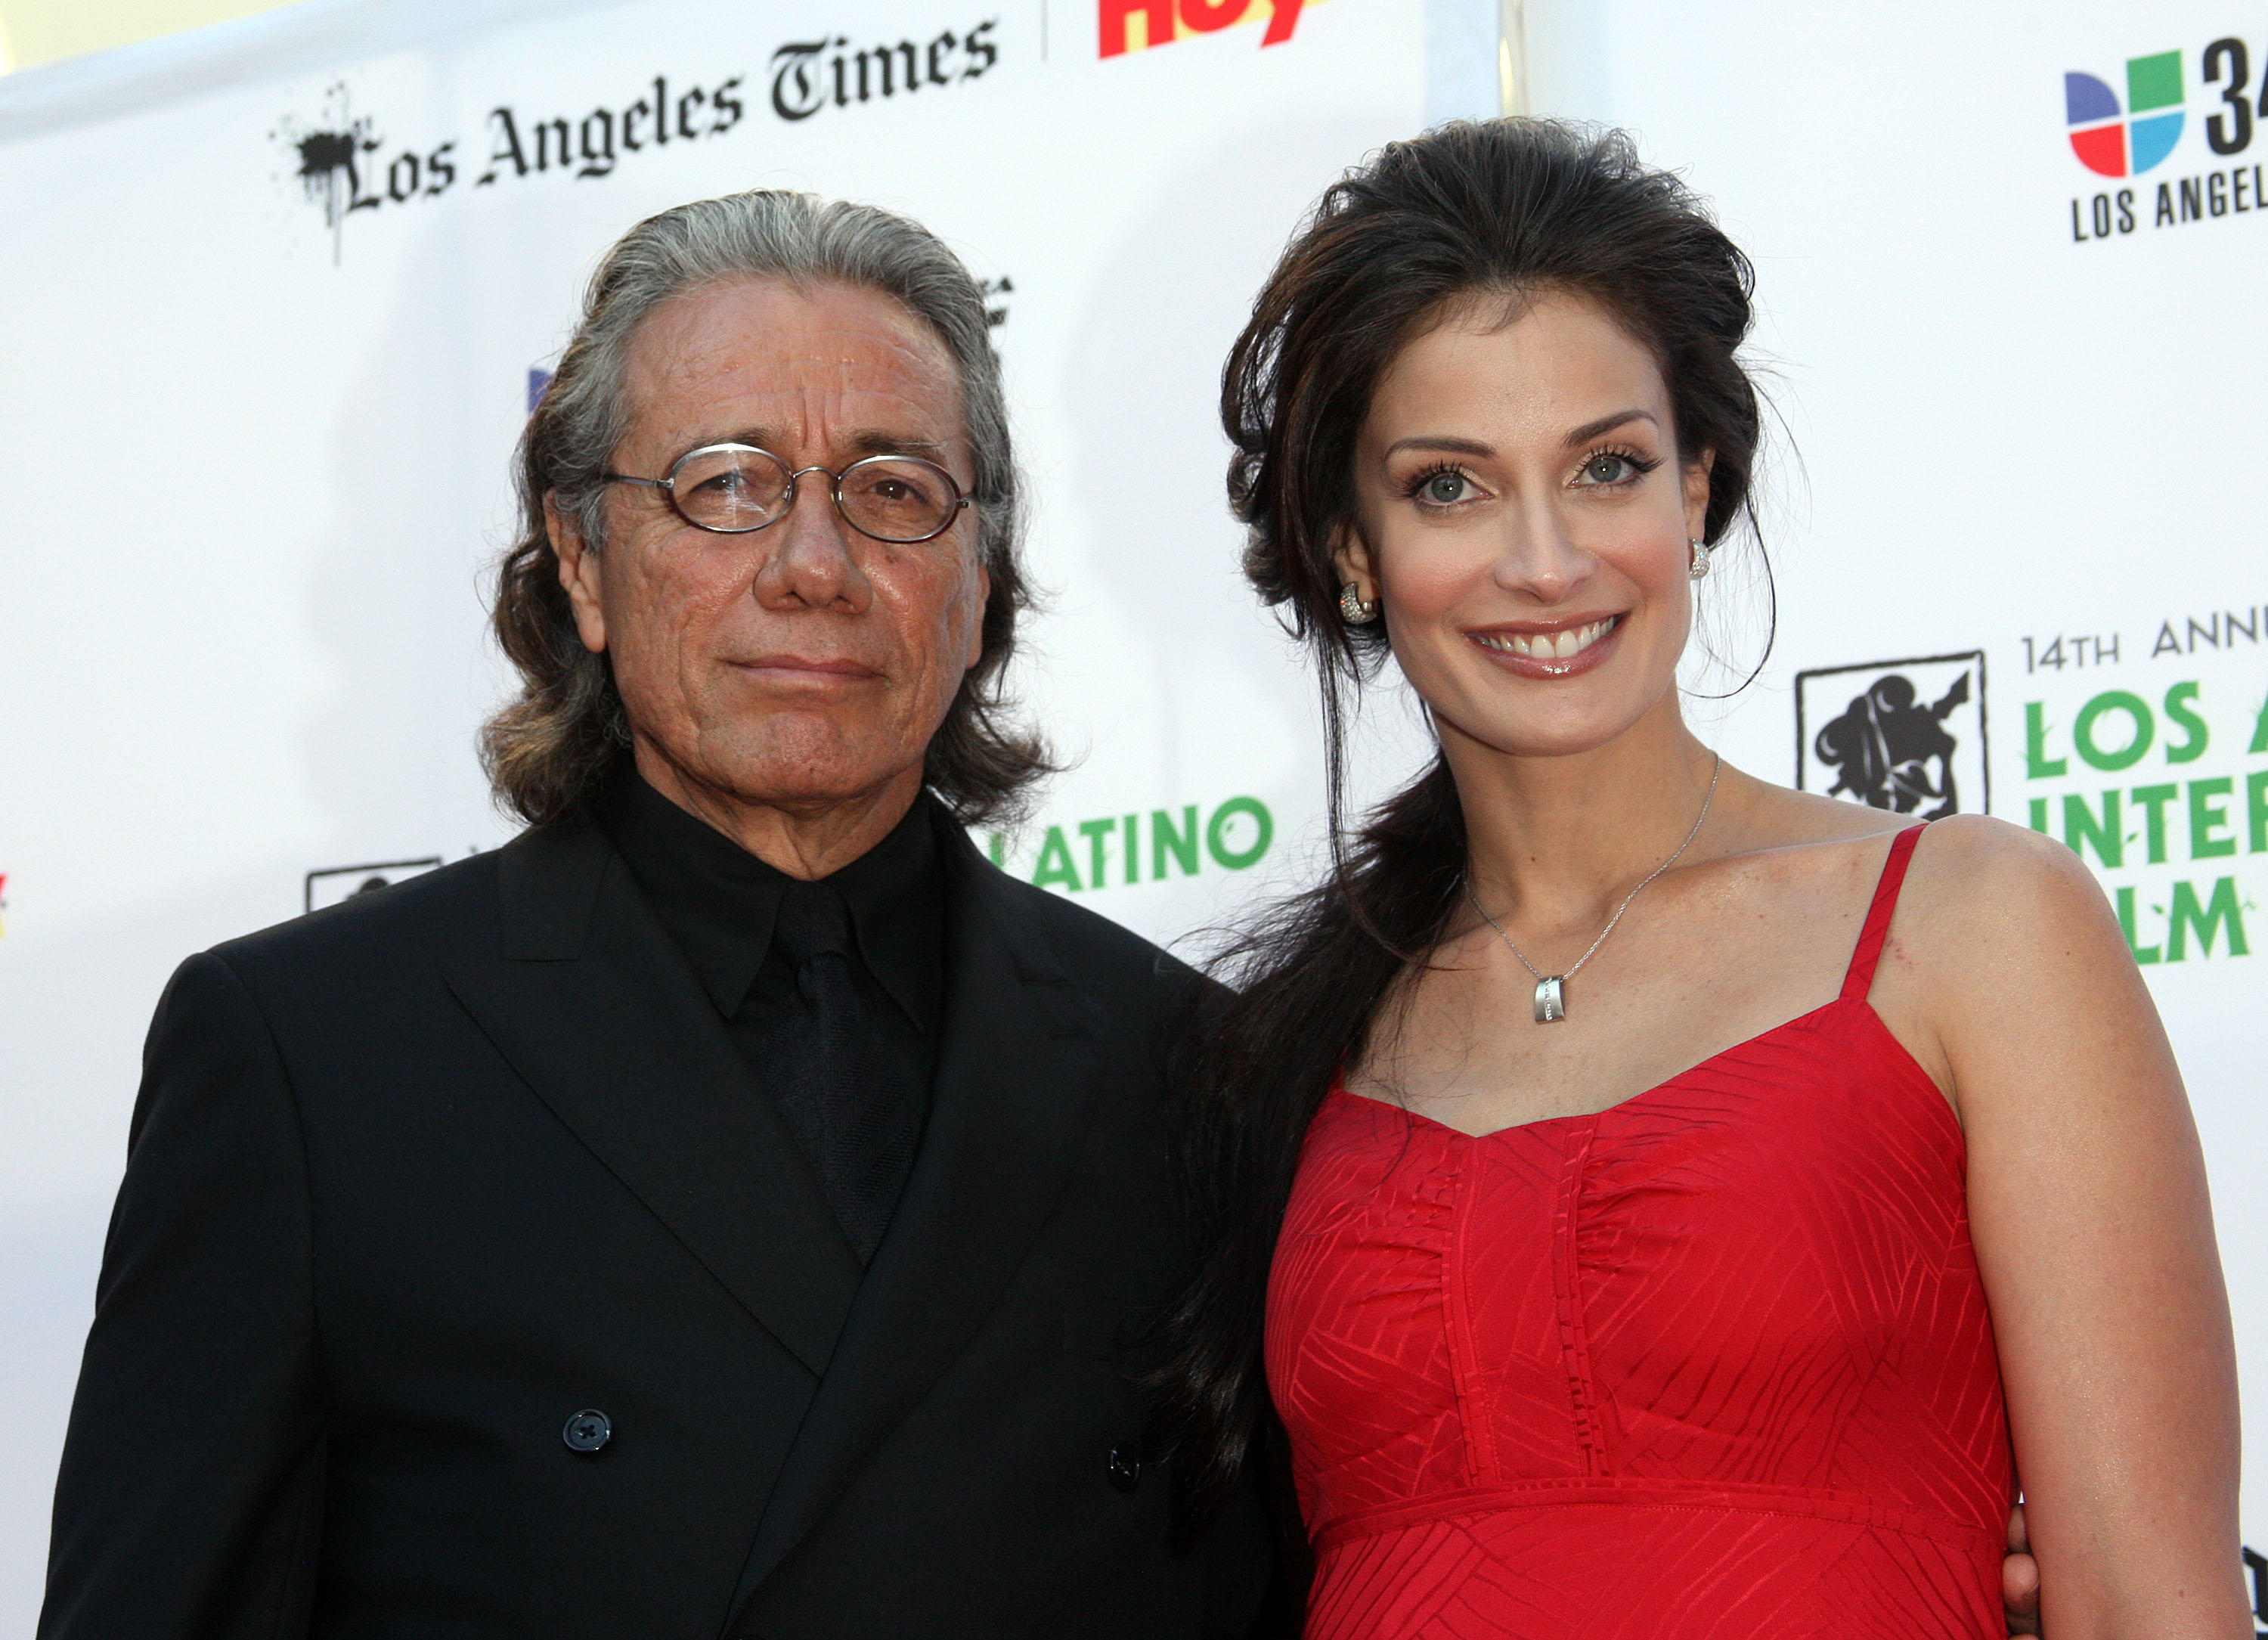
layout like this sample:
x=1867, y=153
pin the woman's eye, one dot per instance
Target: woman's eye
x=1607, y=469
x=1444, y=489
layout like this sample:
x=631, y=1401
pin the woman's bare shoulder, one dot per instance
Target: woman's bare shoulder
x=1960, y=855
x=1986, y=873
x=1765, y=814
x=1778, y=835
x=1979, y=891
x=2001, y=929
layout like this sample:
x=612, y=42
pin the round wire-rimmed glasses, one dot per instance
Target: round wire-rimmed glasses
x=732, y=489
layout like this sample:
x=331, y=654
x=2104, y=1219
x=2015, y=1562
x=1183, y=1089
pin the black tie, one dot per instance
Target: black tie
x=851, y=1123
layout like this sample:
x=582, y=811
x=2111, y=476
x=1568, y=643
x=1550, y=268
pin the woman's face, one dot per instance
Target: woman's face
x=1524, y=516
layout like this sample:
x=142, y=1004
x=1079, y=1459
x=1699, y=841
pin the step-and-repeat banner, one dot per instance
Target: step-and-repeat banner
x=269, y=346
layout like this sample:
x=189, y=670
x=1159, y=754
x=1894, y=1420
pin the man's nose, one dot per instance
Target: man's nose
x=813, y=558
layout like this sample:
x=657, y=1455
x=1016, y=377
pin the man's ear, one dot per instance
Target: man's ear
x=1697, y=493
x=579, y=573
x=1351, y=556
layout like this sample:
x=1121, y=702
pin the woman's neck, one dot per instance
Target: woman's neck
x=1556, y=842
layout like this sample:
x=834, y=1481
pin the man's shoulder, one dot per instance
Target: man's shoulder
x=451, y=911
x=1091, y=949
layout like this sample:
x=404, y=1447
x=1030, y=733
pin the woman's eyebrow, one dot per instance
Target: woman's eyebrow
x=1591, y=430
x=1434, y=441
x=1583, y=434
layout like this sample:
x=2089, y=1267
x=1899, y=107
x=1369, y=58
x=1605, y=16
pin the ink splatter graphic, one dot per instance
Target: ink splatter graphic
x=326, y=154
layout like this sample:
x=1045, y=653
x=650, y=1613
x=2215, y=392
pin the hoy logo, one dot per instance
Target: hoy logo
x=1904, y=735
x=1161, y=22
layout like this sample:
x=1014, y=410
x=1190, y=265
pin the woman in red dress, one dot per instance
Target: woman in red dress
x=1680, y=1206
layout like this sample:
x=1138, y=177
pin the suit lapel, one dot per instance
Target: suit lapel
x=1009, y=1110
x=597, y=1011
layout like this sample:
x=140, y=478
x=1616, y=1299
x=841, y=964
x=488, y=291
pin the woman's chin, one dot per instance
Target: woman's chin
x=1537, y=735
x=1564, y=719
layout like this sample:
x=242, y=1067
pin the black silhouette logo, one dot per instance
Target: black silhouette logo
x=344, y=883
x=1904, y=735
x=1891, y=753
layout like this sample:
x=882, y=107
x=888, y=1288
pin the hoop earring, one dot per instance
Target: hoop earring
x=1353, y=609
x=1696, y=566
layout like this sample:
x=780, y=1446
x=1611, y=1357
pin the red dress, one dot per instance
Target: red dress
x=1712, y=1365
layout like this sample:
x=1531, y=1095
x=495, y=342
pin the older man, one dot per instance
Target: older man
x=727, y=1210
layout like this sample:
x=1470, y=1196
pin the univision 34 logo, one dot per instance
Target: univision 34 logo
x=2112, y=141
x=2116, y=135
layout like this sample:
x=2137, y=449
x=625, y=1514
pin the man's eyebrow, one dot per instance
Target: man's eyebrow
x=1591, y=430
x=873, y=441
x=865, y=440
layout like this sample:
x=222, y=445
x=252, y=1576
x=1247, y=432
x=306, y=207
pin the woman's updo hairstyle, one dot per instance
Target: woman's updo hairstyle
x=1507, y=210
x=1500, y=212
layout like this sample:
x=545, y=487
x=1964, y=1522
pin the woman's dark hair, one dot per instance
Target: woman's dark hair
x=1500, y=211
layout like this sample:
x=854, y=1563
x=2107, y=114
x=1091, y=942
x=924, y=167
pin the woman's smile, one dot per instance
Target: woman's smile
x=1550, y=652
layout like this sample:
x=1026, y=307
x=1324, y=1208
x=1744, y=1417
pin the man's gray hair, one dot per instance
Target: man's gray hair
x=546, y=753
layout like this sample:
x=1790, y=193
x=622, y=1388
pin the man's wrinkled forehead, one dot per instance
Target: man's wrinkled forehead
x=836, y=364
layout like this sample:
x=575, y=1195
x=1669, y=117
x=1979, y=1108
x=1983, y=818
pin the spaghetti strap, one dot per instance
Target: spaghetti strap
x=1860, y=979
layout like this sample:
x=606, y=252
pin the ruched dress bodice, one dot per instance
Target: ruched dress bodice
x=1712, y=1365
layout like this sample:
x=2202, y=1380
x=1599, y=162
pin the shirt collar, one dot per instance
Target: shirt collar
x=718, y=901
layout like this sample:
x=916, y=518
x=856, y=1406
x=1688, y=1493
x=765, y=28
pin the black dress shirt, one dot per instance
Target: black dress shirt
x=718, y=903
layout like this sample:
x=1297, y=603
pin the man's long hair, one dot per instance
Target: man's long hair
x=546, y=752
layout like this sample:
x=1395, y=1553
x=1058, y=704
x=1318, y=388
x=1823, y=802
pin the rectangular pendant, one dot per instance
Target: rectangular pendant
x=1550, y=1001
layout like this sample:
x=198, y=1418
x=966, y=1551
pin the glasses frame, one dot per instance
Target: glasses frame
x=668, y=488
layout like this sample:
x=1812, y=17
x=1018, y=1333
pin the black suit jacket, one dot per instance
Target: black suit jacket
x=414, y=1180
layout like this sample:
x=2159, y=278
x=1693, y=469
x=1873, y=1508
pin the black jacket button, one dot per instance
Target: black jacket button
x=1125, y=1466
x=590, y=1430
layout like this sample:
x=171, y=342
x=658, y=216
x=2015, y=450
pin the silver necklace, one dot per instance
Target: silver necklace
x=1551, y=989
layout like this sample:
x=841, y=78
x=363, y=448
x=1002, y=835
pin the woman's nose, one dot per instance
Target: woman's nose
x=1536, y=554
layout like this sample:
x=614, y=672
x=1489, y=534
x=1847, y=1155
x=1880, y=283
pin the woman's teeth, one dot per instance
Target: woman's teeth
x=1549, y=646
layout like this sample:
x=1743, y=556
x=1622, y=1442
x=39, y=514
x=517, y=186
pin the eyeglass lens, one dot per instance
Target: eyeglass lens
x=889, y=498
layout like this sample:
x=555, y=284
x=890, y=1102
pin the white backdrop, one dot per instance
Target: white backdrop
x=254, y=436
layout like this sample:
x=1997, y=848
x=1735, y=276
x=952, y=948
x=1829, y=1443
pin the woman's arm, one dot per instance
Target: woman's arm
x=2088, y=1204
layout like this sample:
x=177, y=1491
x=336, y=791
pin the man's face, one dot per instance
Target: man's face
x=801, y=666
